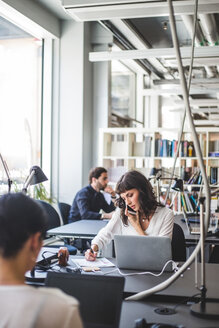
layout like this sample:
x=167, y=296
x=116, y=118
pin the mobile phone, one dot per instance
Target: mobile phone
x=130, y=210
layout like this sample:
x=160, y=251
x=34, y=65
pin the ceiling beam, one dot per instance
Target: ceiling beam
x=199, y=102
x=178, y=91
x=213, y=82
x=206, y=122
x=196, y=110
x=199, y=52
x=97, y=10
x=138, y=43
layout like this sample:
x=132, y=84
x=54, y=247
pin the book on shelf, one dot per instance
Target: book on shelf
x=147, y=141
x=174, y=144
x=213, y=154
x=213, y=175
x=194, y=177
x=189, y=202
x=214, y=146
x=165, y=147
x=187, y=148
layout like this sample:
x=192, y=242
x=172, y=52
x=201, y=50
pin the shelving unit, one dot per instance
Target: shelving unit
x=123, y=149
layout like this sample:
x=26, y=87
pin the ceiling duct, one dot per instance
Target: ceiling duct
x=126, y=45
x=200, y=40
x=90, y=10
x=210, y=30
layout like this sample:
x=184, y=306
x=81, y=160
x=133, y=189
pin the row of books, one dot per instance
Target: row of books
x=194, y=176
x=168, y=148
x=189, y=202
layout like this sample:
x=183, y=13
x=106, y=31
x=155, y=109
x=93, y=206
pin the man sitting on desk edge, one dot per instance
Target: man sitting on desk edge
x=90, y=200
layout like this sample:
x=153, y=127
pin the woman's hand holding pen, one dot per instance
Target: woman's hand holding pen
x=91, y=253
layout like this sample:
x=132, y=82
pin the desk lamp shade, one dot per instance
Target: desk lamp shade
x=38, y=175
x=178, y=185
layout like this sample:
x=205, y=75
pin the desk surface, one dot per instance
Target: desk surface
x=80, y=229
x=90, y=228
x=193, y=239
x=184, y=286
x=135, y=310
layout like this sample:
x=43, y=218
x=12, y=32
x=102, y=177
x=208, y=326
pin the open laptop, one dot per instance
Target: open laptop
x=100, y=297
x=194, y=228
x=147, y=253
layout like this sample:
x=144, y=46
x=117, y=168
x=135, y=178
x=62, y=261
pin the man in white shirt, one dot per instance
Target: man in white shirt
x=22, y=229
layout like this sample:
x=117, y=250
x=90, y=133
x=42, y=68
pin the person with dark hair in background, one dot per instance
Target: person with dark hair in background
x=22, y=229
x=89, y=200
x=138, y=213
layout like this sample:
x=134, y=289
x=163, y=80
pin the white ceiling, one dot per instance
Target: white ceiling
x=142, y=28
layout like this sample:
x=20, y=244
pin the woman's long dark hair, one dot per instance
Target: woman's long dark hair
x=147, y=199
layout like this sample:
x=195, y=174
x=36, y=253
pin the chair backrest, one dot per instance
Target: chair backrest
x=64, y=209
x=52, y=215
x=100, y=296
x=178, y=244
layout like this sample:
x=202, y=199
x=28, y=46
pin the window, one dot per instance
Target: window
x=122, y=95
x=20, y=101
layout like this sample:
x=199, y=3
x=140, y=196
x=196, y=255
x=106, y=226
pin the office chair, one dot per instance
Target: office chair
x=64, y=210
x=178, y=244
x=52, y=216
x=54, y=222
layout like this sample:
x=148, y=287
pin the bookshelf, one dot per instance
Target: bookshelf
x=122, y=149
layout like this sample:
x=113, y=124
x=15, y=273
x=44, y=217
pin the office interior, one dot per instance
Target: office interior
x=82, y=47
x=75, y=94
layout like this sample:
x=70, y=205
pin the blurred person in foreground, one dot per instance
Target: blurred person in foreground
x=22, y=229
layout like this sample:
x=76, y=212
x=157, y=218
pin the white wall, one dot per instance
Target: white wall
x=101, y=39
x=30, y=16
x=71, y=113
x=75, y=125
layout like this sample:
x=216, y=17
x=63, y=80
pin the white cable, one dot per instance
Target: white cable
x=169, y=281
x=175, y=268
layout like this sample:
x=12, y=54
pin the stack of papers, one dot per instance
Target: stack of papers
x=101, y=263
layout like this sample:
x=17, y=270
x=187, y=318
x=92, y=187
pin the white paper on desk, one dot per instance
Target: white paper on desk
x=101, y=263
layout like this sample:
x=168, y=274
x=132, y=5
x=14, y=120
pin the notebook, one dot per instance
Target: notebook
x=100, y=297
x=147, y=253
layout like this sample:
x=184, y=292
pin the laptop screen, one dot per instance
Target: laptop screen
x=100, y=297
x=147, y=253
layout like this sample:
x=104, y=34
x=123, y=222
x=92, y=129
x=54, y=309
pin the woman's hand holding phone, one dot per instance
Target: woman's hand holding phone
x=131, y=211
x=134, y=220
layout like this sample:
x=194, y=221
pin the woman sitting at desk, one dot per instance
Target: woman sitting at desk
x=138, y=213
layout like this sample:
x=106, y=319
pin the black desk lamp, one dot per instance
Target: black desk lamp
x=156, y=174
x=36, y=176
x=178, y=185
x=7, y=172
